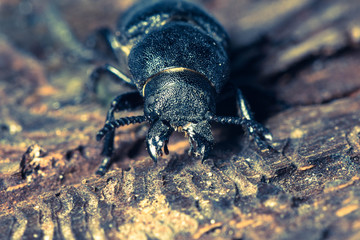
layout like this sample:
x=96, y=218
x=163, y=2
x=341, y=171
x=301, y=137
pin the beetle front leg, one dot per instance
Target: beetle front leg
x=122, y=102
x=260, y=133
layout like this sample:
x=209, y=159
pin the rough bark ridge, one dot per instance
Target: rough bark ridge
x=298, y=63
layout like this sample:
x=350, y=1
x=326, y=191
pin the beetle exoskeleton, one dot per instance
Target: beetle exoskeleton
x=175, y=55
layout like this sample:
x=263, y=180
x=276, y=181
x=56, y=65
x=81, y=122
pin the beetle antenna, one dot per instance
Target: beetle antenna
x=252, y=127
x=227, y=120
x=111, y=126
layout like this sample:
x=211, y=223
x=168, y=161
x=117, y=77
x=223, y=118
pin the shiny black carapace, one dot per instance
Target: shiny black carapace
x=175, y=54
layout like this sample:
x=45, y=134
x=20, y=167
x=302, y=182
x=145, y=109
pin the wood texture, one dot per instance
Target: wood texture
x=298, y=63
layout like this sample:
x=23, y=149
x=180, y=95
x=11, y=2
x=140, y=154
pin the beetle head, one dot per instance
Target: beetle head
x=183, y=101
x=179, y=101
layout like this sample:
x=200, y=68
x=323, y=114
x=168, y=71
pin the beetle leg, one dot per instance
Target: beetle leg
x=243, y=107
x=115, y=47
x=122, y=102
x=157, y=138
x=116, y=74
x=260, y=133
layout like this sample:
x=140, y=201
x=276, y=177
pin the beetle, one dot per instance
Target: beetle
x=176, y=56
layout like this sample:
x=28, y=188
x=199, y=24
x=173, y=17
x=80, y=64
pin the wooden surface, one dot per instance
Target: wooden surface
x=298, y=62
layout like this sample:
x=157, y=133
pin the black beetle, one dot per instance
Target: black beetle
x=175, y=54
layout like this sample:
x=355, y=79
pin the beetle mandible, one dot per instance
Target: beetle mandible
x=175, y=55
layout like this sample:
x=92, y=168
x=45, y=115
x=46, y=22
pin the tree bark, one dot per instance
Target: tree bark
x=296, y=61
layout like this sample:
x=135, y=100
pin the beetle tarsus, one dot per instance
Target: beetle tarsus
x=260, y=134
